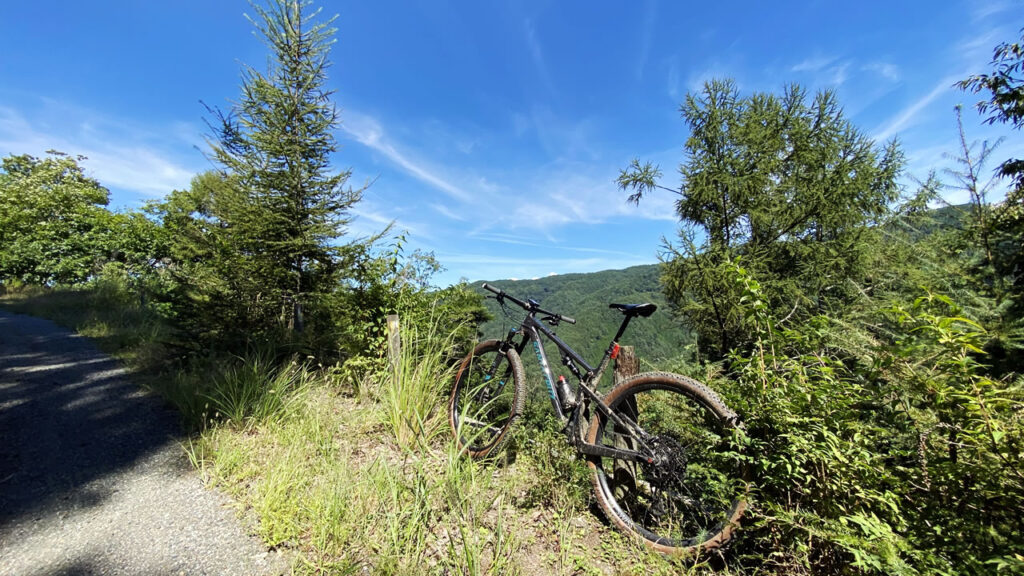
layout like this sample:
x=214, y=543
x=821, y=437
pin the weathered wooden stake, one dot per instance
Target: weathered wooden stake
x=394, y=341
x=626, y=364
x=624, y=473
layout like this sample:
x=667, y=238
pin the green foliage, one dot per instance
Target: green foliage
x=903, y=461
x=1004, y=87
x=789, y=184
x=390, y=281
x=53, y=224
x=215, y=292
x=967, y=484
x=258, y=247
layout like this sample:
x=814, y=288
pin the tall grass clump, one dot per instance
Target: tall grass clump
x=256, y=388
x=479, y=534
x=415, y=384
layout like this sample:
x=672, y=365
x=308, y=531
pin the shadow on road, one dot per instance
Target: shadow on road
x=69, y=417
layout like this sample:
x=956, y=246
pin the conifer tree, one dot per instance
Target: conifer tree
x=783, y=182
x=285, y=208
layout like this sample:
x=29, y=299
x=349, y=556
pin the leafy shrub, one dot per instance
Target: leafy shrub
x=904, y=465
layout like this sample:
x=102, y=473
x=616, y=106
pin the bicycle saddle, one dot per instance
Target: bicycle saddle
x=643, y=310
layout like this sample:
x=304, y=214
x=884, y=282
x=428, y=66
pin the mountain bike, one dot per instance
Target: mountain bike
x=665, y=451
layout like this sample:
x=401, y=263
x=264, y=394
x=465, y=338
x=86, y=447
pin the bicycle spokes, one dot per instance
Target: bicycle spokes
x=687, y=490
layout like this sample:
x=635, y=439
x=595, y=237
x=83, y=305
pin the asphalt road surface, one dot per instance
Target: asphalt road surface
x=93, y=478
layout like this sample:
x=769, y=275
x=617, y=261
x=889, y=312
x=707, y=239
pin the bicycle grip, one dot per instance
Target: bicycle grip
x=490, y=288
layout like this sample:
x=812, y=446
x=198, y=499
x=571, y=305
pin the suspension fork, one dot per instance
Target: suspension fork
x=505, y=345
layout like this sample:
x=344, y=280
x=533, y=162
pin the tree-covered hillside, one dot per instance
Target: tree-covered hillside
x=585, y=297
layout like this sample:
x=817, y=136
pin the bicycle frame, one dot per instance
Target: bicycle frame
x=586, y=396
x=662, y=447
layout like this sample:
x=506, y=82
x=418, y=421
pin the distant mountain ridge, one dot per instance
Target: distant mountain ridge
x=585, y=297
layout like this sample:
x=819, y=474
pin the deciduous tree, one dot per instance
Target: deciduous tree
x=52, y=220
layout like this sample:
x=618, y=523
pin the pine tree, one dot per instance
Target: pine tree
x=286, y=210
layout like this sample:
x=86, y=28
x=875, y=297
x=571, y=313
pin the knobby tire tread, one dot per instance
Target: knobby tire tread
x=700, y=393
x=519, y=398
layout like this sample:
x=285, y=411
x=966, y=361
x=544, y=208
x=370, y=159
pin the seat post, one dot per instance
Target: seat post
x=622, y=327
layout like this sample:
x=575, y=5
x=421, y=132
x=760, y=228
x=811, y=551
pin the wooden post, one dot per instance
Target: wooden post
x=394, y=342
x=624, y=473
x=626, y=365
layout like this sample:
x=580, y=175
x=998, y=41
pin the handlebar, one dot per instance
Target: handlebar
x=530, y=306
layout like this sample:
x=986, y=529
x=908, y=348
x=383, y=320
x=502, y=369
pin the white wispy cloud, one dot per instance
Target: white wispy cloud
x=828, y=70
x=119, y=155
x=982, y=9
x=487, y=266
x=887, y=70
x=672, y=81
x=562, y=137
x=511, y=239
x=646, y=37
x=695, y=82
x=368, y=222
x=578, y=193
x=368, y=131
x=537, y=55
x=908, y=115
x=813, y=64
x=526, y=202
x=448, y=212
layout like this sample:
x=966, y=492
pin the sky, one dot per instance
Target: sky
x=491, y=133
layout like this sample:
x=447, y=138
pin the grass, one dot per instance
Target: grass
x=410, y=387
x=368, y=481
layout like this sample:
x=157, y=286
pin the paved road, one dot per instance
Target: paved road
x=93, y=479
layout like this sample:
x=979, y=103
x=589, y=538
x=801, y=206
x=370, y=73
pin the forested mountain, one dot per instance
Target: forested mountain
x=585, y=297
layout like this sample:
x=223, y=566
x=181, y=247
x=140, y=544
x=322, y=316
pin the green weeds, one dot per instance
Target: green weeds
x=415, y=384
x=366, y=480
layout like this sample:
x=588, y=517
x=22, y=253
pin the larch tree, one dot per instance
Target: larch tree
x=783, y=182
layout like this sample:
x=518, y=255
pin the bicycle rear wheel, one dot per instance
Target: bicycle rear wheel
x=692, y=496
x=487, y=398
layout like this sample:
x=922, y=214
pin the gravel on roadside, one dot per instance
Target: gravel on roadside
x=93, y=477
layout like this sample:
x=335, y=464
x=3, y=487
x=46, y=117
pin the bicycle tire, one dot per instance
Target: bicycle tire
x=483, y=406
x=694, y=494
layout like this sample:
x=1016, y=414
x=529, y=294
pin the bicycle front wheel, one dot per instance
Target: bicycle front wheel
x=487, y=398
x=693, y=493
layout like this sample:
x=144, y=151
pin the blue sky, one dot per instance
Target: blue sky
x=492, y=131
